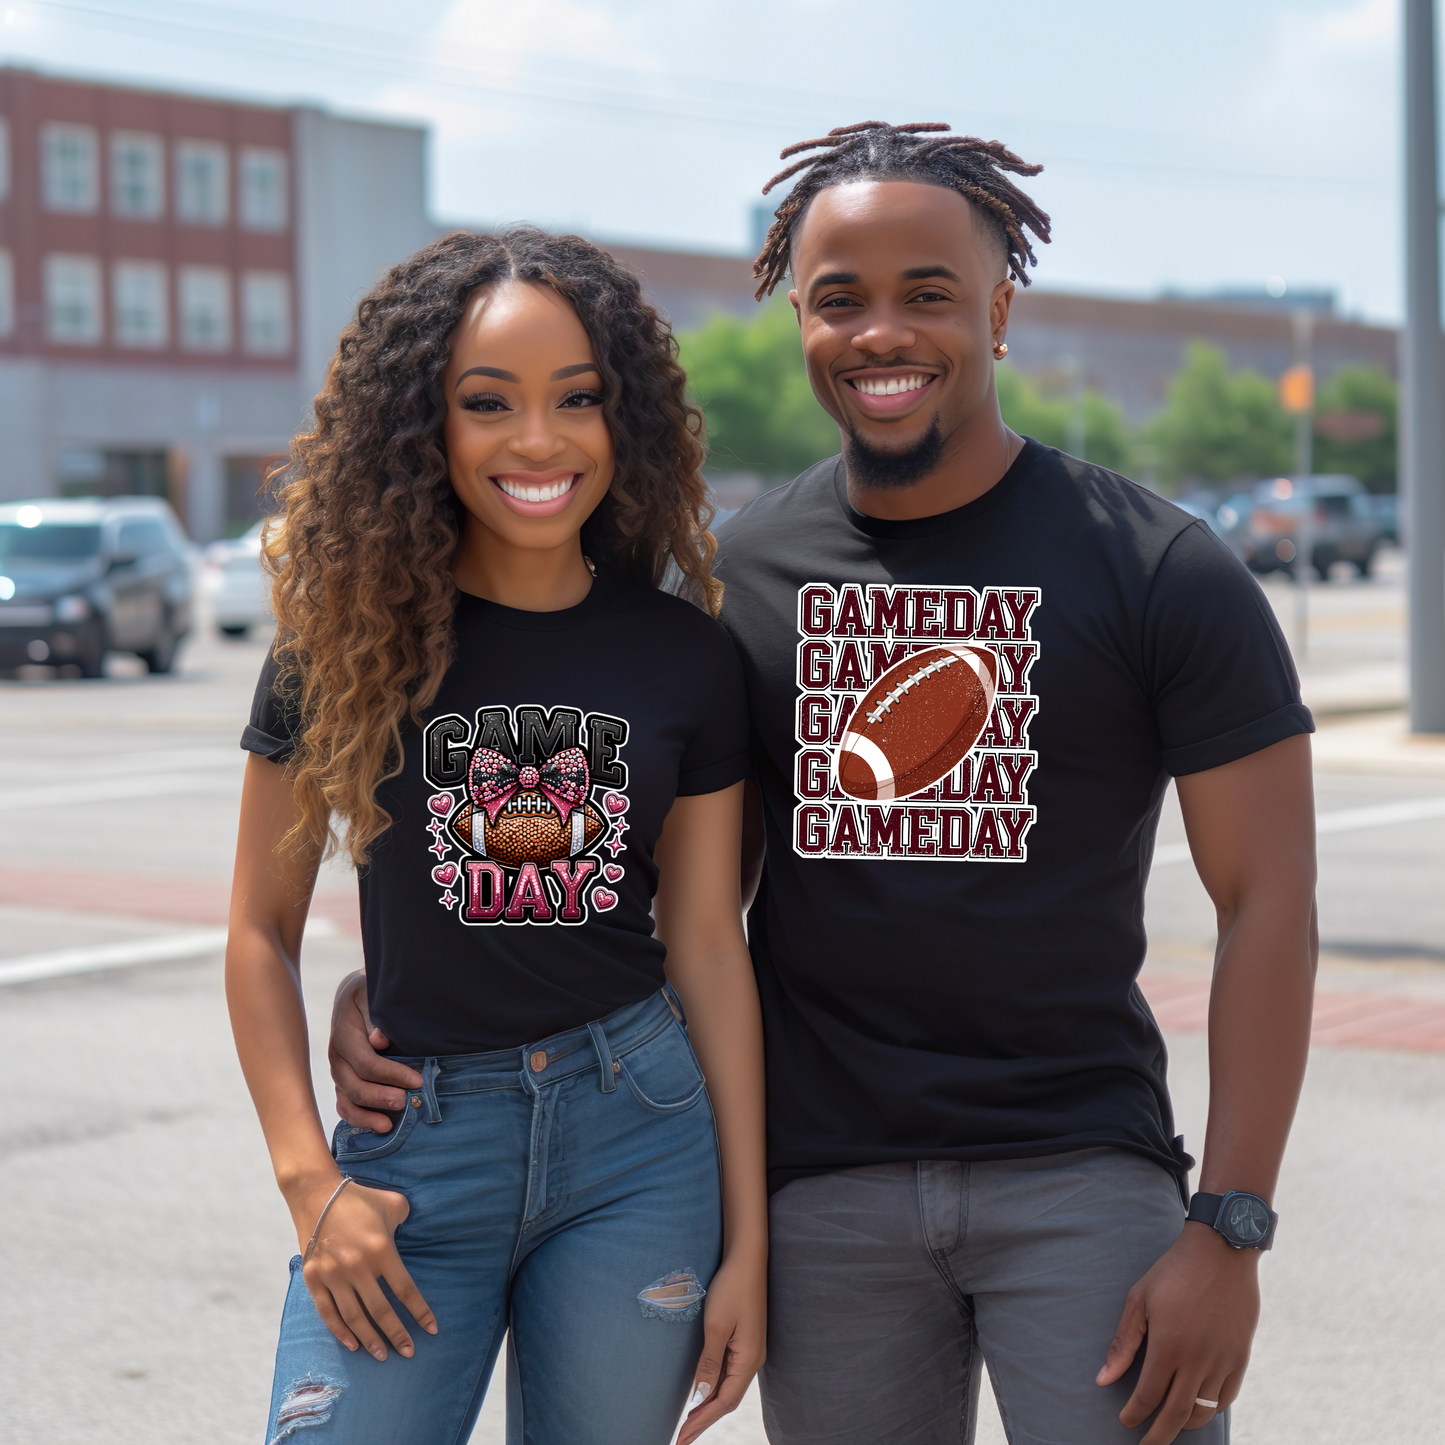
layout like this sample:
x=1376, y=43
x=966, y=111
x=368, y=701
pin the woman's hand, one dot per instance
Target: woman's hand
x=735, y=1333
x=354, y=1250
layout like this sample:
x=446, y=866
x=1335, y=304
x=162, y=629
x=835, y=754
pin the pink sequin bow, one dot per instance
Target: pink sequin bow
x=493, y=778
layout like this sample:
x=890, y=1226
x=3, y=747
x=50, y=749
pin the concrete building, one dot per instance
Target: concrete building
x=174, y=272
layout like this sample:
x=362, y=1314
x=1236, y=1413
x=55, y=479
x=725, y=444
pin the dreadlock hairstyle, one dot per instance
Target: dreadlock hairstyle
x=876, y=151
x=363, y=593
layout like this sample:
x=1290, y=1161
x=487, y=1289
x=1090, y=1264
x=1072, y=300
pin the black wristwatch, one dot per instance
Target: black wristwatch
x=1244, y=1221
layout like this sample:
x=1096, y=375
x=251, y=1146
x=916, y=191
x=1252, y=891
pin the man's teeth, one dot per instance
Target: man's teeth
x=892, y=386
x=525, y=493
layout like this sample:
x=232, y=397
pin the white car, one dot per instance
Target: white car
x=240, y=591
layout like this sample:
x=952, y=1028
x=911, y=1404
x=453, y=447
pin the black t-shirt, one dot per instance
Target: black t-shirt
x=952, y=975
x=511, y=896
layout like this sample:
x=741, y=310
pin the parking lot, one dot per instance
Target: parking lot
x=145, y=1249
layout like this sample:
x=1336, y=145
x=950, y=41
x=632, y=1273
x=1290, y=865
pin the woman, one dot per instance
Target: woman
x=521, y=739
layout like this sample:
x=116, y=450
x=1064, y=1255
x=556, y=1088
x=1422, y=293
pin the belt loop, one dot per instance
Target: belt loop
x=429, y=1070
x=604, y=1056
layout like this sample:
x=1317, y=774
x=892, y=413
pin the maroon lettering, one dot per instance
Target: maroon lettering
x=883, y=655
x=885, y=829
x=849, y=672
x=1017, y=766
x=889, y=606
x=991, y=621
x=845, y=832
x=1020, y=604
x=815, y=664
x=921, y=842
x=1014, y=713
x=484, y=904
x=953, y=836
x=815, y=611
x=812, y=825
x=986, y=785
x=529, y=895
x=958, y=785
x=845, y=711
x=926, y=602
x=814, y=718
x=986, y=842
x=1017, y=658
x=850, y=620
x=1016, y=823
x=572, y=877
x=813, y=773
x=958, y=610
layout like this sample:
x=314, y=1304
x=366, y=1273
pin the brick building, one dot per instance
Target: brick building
x=173, y=275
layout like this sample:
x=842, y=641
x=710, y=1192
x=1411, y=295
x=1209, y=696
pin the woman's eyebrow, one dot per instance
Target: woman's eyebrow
x=489, y=371
x=564, y=372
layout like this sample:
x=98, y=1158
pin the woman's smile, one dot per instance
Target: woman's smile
x=536, y=494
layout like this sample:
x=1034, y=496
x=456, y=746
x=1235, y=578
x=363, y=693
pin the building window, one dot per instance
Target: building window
x=4, y=157
x=72, y=299
x=138, y=293
x=69, y=168
x=266, y=312
x=202, y=183
x=137, y=188
x=263, y=190
x=205, y=308
x=7, y=293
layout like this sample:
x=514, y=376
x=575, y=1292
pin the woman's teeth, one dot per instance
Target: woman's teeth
x=892, y=386
x=524, y=493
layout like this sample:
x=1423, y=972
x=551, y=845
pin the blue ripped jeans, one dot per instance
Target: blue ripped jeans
x=567, y=1192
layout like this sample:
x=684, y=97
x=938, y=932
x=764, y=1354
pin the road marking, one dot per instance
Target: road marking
x=97, y=958
x=1346, y=820
x=105, y=790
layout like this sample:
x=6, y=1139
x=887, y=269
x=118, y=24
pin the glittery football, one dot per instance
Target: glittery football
x=917, y=722
x=529, y=829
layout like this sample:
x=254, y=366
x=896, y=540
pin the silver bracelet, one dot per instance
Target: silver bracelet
x=311, y=1243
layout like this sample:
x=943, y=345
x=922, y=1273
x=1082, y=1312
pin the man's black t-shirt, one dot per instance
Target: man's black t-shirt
x=511, y=897
x=952, y=975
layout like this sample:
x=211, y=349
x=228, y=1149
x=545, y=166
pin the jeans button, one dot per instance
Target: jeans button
x=538, y=1061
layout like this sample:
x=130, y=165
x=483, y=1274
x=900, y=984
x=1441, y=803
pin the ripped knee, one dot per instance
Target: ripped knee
x=306, y=1402
x=677, y=1296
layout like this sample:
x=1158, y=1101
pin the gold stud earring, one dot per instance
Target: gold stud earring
x=1000, y=349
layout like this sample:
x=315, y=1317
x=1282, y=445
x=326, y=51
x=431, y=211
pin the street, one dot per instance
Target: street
x=145, y=1246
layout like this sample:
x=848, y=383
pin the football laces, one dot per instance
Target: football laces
x=928, y=669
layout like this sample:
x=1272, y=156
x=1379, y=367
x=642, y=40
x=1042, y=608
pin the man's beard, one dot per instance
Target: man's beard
x=877, y=470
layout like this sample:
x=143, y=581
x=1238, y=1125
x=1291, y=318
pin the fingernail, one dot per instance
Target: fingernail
x=380, y=1354
x=407, y=1351
x=699, y=1395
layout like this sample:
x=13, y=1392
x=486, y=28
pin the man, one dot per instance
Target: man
x=970, y=1137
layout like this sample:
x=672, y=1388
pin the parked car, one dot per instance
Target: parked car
x=81, y=577
x=240, y=591
x=1329, y=516
x=1386, y=506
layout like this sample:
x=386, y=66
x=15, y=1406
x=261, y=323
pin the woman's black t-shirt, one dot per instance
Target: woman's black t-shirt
x=511, y=896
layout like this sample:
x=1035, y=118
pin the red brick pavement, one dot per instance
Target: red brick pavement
x=1350, y=1020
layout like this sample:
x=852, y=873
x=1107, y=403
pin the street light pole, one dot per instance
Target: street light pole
x=1423, y=377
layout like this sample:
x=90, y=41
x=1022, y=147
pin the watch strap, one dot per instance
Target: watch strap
x=1207, y=1208
x=1204, y=1208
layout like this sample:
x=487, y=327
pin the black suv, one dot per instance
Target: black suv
x=80, y=577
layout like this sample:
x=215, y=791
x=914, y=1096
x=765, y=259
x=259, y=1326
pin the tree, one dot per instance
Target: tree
x=750, y=381
x=1355, y=424
x=1048, y=419
x=1220, y=426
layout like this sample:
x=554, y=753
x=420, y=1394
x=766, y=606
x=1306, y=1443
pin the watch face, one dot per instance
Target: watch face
x=1246, y=1219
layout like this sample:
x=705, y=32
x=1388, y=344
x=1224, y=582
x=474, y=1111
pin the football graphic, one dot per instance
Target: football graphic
x=917, y=722
x=528, y=829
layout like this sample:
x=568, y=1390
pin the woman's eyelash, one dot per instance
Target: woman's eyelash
x=582, y=394
x=480, y=400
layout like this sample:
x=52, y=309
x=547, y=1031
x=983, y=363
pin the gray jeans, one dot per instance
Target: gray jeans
x=891, y=1285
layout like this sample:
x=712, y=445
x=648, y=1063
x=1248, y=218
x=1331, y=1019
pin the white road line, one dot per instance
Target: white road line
x=1346, y=820
x=105, y=790
x=96, y=958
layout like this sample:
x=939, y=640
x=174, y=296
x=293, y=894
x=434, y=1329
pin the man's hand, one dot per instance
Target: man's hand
x=1198, y=1307
x=364, y=1079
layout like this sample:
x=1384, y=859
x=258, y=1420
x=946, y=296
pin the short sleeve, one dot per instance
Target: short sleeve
x=716, y=756
x=274, y=722
x=1219, y=670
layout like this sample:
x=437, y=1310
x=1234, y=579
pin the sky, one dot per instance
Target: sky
x=1185, y=146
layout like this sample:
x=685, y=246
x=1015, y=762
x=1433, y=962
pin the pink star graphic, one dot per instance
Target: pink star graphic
x=615, y=844
x=435, y=827
x=441, y=848
x=448, y=899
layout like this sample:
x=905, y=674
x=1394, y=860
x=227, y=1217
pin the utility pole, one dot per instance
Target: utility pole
x=1422, y=432
x=1297, y=396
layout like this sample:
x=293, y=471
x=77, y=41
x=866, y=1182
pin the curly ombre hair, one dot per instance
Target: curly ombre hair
x=363, y=592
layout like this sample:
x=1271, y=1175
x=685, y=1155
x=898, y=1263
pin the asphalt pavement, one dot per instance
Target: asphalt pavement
x=145, y=1248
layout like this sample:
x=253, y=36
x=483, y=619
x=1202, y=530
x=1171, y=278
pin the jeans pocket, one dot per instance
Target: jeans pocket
x=663, y=1074
x=350, y=1145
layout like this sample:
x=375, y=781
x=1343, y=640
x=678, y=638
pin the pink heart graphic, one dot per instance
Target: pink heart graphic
x=604, y=898
x=615, y=803
x=611, y=872
x=441, y=803
x=445, y=874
